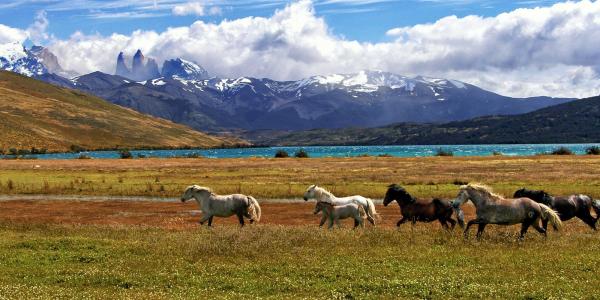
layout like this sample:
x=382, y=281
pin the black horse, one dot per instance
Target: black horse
x=567, y=207
x=414, y=210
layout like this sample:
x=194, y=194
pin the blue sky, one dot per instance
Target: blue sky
x=516, y=48
x=363, y=20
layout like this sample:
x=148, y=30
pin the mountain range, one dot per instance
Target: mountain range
x=183, y=92
x=574, y=122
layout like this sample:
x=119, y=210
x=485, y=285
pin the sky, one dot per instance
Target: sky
x=515, y=48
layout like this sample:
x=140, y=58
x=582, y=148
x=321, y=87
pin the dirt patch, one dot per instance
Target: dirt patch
x=161, y=214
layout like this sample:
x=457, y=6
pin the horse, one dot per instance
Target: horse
x=414, y=210
x=213, y=205
x=323, y=195
x=492, y=208
x=336, y=212
x=567, y=207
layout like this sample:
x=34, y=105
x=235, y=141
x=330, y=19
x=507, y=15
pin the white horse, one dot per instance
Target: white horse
x=335, y=213
x=323, y=195
x=212, y=205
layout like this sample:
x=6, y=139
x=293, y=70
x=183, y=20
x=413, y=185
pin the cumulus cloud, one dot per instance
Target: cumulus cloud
x=11, y=35
x=540, y=51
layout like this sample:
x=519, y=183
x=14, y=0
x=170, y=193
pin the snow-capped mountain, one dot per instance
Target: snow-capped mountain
x=363, y=99
x=183, y=69
x=15, y=58
x=184, y=93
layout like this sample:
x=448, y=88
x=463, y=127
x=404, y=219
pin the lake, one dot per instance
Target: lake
x=339, y=151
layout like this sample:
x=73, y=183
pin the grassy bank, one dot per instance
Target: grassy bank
x=274, y=261
x=288, y=178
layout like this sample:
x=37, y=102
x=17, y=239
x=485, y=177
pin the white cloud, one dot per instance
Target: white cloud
x=190, y=8
x=526, y=52
x=37, y=31
x=10, y=35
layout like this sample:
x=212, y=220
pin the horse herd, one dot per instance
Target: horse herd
x=527, y=208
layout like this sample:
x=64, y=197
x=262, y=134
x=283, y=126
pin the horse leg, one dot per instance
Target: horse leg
x=323, y=219
x=452, y=223
x=402, y=221
x=524, y=226
x=545, y=224
x=480, y=229
x=210, y=221
x=330, y=224
x=466, y=232
x=339, y=224
x=541, y=230
x=241, y=219
x=444, y=224
x=587, y=218
x=204, y=218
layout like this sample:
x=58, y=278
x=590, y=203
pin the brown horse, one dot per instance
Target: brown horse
x=414, y=210
x=567, y=207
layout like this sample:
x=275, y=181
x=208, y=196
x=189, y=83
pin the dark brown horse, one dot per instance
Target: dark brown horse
x=413, y=209
x=567, y=207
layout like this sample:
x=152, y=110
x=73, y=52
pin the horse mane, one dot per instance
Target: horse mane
x=319, y=191
x=483, y=189
x=198, y=188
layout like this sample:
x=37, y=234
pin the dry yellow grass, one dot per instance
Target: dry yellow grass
x=287, y=178
x=36, y=114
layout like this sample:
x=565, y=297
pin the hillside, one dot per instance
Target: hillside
x=574, y=122
x=37, y=114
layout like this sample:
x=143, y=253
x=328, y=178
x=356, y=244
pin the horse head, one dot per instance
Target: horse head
x=540, y=196
x=397, y=193
x=191, y=192
x=310, y=192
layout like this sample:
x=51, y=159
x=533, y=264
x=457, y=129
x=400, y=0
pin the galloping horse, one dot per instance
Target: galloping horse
x=414, y=210
x=222, y=206
x=338, y=212
x=567, y=207
x=322, y=195
x=492, y=208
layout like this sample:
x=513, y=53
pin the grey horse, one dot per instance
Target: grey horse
x=212, y=205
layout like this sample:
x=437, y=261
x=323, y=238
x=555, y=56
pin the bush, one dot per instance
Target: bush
x=562, y=151
x=84, y=156
x=594, y=150
x=13, y=151
x=301, y=154
x=281, y=154
x=140, y=155
x=497, y=153
x=125, y=154
x=193, y=155
x=442, y=152
x=77, y=148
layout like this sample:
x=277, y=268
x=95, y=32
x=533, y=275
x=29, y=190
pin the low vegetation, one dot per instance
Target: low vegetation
x=594, y=150
x=289, y=177
x=562, y=151
x=301, y=154
x=442, y=152
x=280, y=262
x=281, y=154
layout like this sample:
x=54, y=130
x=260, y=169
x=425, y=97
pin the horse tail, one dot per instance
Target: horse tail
x=596, y=206
x=550, y=215
x=254, y=209
x=371, y=209
x=361, y=211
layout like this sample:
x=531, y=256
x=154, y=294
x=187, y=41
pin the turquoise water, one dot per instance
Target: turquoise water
x=340, y=151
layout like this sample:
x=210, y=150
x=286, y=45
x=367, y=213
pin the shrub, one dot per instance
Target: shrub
x=193, y=155
x=77, y=148
x=13, y=151
x=140, y=155
x=562, y=151
x=594, y=150
x=442, y=152
x=459, y=182
x=497, y=153
x=84, y=156
x=301, y=154
x=281, y=154
x=125, y=154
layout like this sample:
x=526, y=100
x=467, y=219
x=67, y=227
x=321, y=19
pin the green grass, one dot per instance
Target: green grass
x=292, y=262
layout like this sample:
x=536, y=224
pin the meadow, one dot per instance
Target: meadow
x=288, y=178
x=155, y=250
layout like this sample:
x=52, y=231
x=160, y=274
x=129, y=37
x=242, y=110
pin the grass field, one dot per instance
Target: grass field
x=288, y=178
x=162, y=254
x=154, y=250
